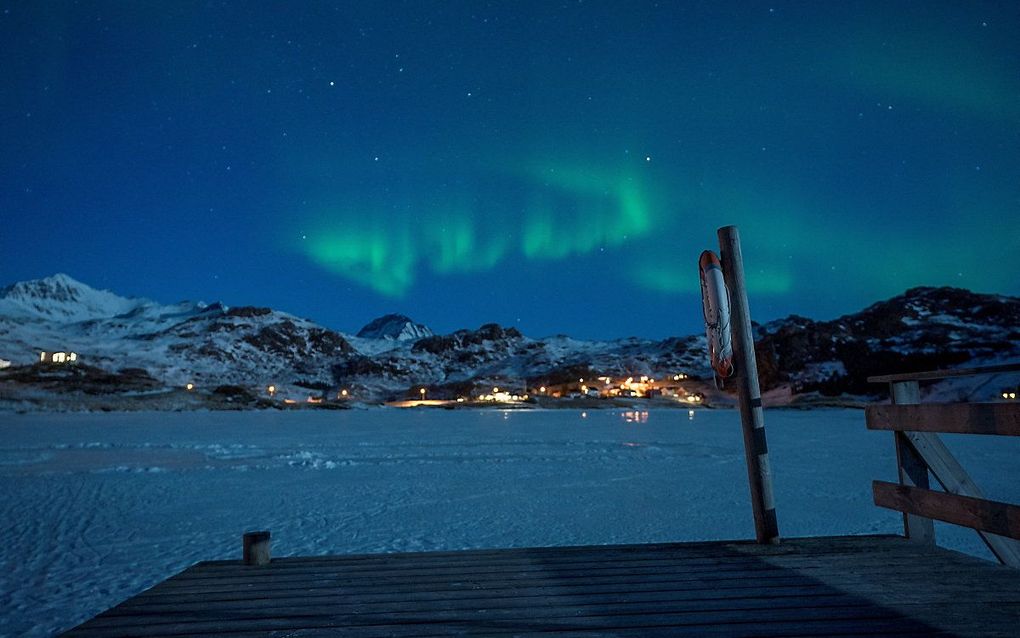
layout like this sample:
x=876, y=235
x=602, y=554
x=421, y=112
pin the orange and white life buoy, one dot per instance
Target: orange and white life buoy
x=715, y=301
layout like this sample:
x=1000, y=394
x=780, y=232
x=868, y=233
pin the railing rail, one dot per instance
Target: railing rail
x=919, y=451
x=933, y=375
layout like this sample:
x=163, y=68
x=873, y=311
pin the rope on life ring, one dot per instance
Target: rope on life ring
x=715, y=303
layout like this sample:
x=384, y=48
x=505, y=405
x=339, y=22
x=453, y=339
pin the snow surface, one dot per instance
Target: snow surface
x=97, y=507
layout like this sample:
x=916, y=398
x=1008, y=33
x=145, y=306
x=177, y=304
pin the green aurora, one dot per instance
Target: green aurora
x=558, y=167
x=566, y=212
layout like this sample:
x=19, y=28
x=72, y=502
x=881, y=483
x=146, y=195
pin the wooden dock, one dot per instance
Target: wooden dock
x=839, y=586
x=855, y=585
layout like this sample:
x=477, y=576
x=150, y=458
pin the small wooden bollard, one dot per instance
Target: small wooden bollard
x=256, y=548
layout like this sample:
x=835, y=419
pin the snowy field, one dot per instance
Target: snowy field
x=97, y=507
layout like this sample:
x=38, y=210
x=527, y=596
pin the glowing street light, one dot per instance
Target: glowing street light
x=189, y=387
x=542, y=389
x=422, y=392
x=343, y=393
x=271, y=390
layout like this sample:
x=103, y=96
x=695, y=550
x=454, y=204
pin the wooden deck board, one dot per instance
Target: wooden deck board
x=812, y=587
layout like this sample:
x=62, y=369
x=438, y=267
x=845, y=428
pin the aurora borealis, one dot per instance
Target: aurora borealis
x=553, y=166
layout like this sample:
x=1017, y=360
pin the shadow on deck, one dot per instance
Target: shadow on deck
x=855, y=585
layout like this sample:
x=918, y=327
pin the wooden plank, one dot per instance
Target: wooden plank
x=959, y=418
x=910, y=467
x=896, y=626
x=433, y=575
x=399, y=603
x=989, y=516
x=413, y=569
x=955, y=480
x=797, y=545
x=495, y=592
x=385, y=584
x=537, y=609
x=481, y=619
x=945, y=374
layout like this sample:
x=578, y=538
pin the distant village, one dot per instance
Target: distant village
x=677, y=387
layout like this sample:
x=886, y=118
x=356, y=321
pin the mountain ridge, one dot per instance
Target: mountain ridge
x=213, y=345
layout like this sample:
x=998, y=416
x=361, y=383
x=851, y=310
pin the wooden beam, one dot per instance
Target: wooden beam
x=959, y=418
x=955, y=480
x=945, y=374
x=752, y=418
x=988, y=516
x=910, y=466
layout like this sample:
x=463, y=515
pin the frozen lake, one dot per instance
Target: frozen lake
x=97, y=507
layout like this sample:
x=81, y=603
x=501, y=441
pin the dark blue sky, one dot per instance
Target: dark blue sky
x=554, y=166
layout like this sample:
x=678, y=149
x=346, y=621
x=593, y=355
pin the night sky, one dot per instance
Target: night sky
x=553, y=166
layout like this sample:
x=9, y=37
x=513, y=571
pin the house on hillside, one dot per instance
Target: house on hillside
x=58, y=357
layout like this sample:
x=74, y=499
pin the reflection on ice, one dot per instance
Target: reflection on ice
x=635, y=416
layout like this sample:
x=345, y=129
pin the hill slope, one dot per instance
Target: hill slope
x=213, y=345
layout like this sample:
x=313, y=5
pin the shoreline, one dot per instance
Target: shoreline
x=180, y=401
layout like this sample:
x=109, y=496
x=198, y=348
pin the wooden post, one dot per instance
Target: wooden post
x=756, y=451
x=910, y=465
x=256, y=548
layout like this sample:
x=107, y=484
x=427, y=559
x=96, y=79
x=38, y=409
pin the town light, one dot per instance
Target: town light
x=343, y=393
x=271, y=390
x=422, y=392
x=495, y=390
x=189, y=387
x=542, y=389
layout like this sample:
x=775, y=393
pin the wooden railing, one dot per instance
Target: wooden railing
x=919, y=451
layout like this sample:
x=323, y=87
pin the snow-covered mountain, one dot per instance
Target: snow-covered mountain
x=395, y=327
x=176, y=344
x=922, y=329
x=61, y=298
x=215, y=345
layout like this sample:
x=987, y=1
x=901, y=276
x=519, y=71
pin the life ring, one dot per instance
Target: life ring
x=715, y=303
